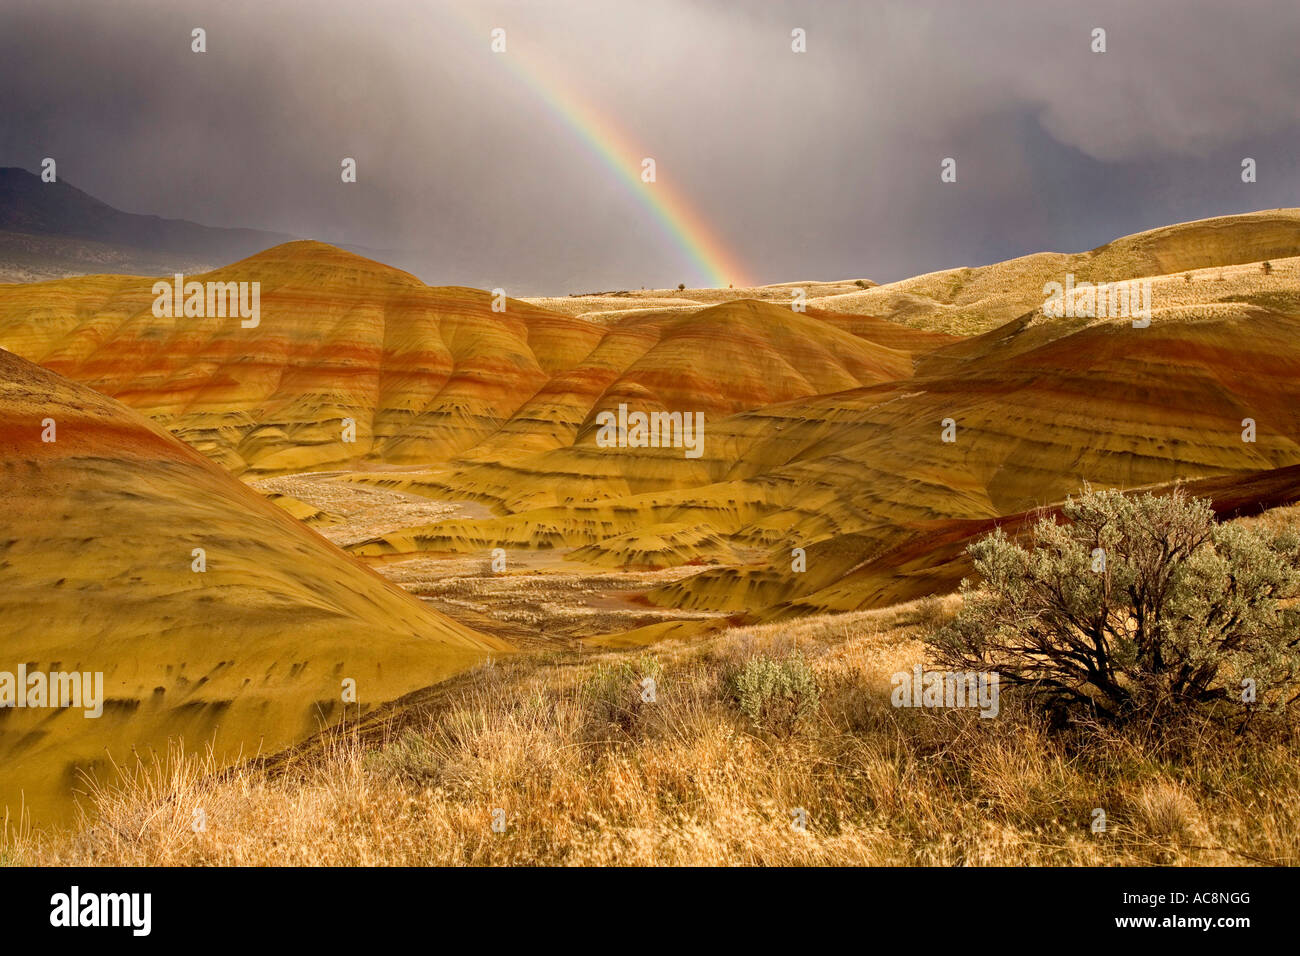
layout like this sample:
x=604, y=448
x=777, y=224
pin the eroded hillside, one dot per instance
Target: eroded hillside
x=833, y=437
x=212, y=615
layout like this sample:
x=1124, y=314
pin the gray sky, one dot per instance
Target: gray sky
x=822, y=165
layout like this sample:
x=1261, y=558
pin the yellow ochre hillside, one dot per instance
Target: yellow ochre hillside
x=968, y=300
x=850, y=431
x=423, y=372
x=97, y=574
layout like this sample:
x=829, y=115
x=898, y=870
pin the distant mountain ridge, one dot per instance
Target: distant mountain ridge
x=29, y=205
x=53, y=230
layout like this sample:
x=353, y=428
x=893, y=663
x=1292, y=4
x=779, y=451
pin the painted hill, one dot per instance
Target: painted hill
x=1039, y=405
x=930, y=557
x=607, y=307
x=966, y=301
x=823, y=429
x=96, y=575
x=425, y=373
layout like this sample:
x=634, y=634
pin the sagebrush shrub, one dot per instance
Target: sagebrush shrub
x=1137, y=606
x=777, y=694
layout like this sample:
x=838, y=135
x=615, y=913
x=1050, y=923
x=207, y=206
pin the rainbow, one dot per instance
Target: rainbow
x=668, y=207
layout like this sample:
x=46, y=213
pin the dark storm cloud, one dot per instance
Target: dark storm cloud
x=820, y=165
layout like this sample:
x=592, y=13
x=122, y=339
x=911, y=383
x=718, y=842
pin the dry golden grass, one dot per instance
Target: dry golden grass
x=588, y=773
x=1211, y=259
x=608, y=307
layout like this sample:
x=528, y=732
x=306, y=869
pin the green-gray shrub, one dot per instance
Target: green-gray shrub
x=1183, y=610
x=777, y=694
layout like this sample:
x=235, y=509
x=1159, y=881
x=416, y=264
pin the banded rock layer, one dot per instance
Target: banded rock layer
x=97, y=540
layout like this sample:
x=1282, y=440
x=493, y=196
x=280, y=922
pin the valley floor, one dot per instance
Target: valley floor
x=559, y=749
x=542, y=598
